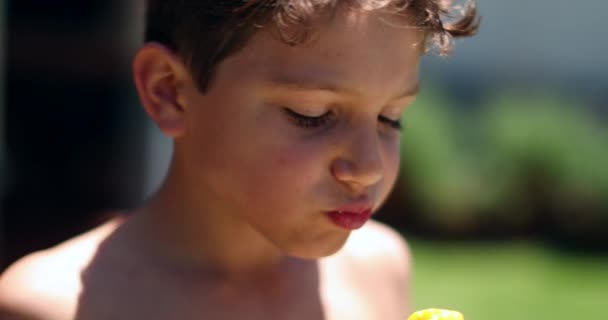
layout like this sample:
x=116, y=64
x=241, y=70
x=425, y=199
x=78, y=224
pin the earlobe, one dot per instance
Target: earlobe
x=158, y=75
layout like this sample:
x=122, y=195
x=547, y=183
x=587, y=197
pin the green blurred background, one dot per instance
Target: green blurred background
x=503, y=193
x=506, y=205
x=509, y=280
x=504, y=186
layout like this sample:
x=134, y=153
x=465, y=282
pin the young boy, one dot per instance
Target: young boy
x=285, y=117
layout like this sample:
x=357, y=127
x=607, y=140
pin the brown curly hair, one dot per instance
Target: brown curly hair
x=204, y=32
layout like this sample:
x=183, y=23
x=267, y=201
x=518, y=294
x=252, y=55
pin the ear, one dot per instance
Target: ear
x=159, y=77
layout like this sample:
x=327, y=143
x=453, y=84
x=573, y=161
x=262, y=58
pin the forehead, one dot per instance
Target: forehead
x=366, y=52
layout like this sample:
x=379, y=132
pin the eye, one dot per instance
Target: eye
x=393, y=124
x=304, y=121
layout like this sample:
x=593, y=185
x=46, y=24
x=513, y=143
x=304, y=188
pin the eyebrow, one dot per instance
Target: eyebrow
x=302, y=84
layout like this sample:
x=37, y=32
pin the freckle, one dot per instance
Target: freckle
x=281, y=161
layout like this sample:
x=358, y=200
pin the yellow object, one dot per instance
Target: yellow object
x=436, y=314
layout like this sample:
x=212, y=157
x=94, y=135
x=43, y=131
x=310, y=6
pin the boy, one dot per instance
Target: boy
x=285, y=117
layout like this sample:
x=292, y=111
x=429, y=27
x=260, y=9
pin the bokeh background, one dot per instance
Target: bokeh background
x=503, y=194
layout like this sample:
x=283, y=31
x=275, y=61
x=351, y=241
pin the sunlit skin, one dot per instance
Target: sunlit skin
x=245, y=200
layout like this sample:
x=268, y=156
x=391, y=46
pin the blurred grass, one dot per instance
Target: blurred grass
x=511, y=281
x=519, y=162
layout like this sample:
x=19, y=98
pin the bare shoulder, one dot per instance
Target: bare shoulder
x=380, y=261
x=380, y=246
x=25, y=291
x=45, y=284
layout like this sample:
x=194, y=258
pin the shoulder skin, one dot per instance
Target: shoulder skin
x=45, y=285
x=383, y=255
x=25, y=292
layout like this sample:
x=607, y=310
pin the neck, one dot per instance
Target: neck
x=183, y=229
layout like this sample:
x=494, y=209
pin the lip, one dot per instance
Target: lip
x=352, y=215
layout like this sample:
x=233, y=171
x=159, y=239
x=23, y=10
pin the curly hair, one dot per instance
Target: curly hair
x=204, y=32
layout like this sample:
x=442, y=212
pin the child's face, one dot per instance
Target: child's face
x=280, y=172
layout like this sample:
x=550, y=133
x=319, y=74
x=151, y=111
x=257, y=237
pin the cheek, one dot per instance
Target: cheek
x=289, y=172
x=296, y=166
x=275, y=172
x=392, y=161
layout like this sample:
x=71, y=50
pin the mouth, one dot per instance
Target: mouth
x=353, y=215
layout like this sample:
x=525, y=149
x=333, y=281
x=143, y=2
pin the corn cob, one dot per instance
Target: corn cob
x=436, y=314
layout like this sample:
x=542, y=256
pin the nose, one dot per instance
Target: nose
x=361, y=163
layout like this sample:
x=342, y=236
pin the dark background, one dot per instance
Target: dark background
x=72, y=142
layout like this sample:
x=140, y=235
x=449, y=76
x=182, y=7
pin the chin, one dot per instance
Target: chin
x=316, y=250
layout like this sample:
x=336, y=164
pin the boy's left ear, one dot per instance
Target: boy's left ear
x=159, y=77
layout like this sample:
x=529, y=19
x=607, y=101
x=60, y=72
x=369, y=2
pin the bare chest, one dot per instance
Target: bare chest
x=325, y=297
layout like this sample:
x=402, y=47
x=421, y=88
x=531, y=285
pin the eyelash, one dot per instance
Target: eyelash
x=308, y=122
x=394, y=124
x=315, y=122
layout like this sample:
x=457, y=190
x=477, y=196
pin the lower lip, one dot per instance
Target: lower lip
x=350, y=220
